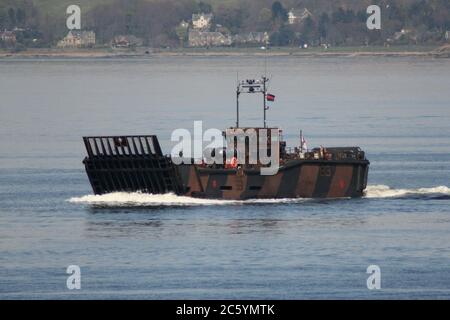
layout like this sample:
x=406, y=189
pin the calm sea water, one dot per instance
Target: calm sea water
x=165, y=247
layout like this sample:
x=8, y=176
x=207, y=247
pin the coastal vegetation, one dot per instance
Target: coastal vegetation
x=341, y=23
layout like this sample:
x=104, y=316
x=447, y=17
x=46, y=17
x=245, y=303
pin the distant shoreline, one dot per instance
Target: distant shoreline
x=406, y=51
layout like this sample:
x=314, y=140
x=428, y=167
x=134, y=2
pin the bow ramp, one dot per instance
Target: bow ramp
x=129, y=164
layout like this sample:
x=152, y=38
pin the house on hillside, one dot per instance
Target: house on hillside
x=208, y=39
x=201, y=21
x=8, y=37
x=296, y=16
x=78, y=39
x=126, y=41
x=403, y=36
x=251, y=38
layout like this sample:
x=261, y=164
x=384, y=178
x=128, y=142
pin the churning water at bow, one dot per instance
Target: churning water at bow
x=164, y=246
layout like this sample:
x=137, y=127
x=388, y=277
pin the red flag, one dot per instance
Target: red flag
x=270, y=97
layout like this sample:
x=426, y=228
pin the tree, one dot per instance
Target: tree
x=342, y=15
x=182, y=32
x=283, y=37
x=324, y=24
x=12, y=17
x=264, y=19
x=279, y=12
x=203, y=7
x=230, y=17
x=421, y=13
x=309, y=30
x=20, y=16
x=3, y=19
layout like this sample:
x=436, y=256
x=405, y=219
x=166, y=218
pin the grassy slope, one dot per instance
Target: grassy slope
x=58, y=7
x=55, y=8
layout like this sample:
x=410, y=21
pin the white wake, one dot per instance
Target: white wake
x=144, y=199
x=382, y=191
x=170, y=199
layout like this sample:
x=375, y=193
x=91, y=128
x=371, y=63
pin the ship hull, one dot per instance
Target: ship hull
x=296, y=179
x=136, y=164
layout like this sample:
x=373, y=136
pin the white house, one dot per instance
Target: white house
x=297, y=16
x=8, y=37
x=201, y=21
x=77, y=39
x=208, y=39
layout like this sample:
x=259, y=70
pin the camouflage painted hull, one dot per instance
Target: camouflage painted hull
x=136, y=164
x=296, y=179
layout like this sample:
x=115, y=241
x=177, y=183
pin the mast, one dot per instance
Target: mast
x=264, y=78
x=301, y=141
x=237, y=106
x=264, y=99
x=252, y=86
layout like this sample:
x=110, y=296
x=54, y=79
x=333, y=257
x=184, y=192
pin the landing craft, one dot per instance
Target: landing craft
x=137, y=164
